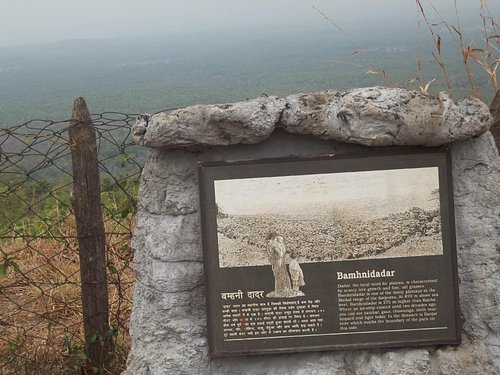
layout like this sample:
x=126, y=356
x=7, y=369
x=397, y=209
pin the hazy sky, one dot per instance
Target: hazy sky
x=278, y=194
x=34, y=21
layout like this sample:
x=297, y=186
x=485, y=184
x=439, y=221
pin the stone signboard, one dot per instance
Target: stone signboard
x=169, y=327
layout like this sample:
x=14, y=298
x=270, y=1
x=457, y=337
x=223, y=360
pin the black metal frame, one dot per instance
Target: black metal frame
x=443, y=267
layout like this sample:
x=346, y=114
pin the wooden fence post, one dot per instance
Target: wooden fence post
x=86, y=201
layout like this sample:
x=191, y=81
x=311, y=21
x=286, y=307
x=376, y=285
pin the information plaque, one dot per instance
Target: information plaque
x=332, y=252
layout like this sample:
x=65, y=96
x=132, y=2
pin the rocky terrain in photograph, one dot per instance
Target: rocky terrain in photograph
x=329, y=237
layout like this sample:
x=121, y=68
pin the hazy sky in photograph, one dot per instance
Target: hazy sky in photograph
x=35, y=21
x=275, y=194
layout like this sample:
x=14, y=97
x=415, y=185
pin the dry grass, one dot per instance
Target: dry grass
x=485, y=52
x=41, y=322
x=481, y=52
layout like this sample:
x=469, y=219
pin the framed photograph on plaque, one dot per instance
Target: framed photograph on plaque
x=332, y=252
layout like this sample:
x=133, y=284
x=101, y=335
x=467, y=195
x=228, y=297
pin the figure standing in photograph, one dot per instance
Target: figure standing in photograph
x=296, y=275
x=276, y=254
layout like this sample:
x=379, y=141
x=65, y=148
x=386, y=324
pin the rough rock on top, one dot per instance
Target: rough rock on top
x=374, y=116
x=216, y=124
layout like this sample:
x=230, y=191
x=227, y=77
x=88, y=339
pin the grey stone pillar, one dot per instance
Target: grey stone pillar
x=168, y=325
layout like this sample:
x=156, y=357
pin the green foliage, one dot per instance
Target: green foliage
x=77, y=353
x=150, y=75
x=119, y=196
x=32, y=208
x=37, y=209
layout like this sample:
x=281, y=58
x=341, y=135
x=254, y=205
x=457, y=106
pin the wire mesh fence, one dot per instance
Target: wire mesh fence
x=41, y=322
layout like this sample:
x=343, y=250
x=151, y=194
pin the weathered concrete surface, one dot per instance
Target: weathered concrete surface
x=374, y=116
x=385, y=117
x=168, y=320
x=215, y=124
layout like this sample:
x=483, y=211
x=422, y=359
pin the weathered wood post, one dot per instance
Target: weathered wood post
x=86, y=201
